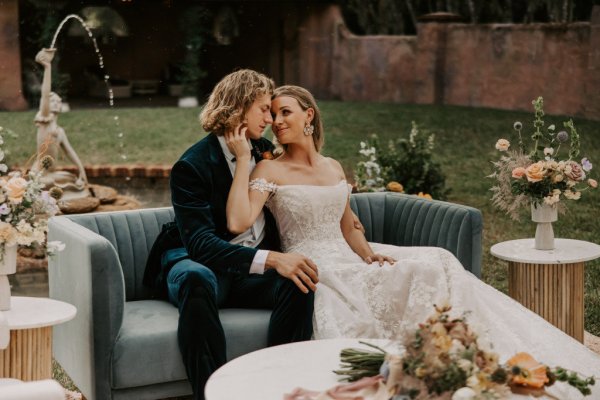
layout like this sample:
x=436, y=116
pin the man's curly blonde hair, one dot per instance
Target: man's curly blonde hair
x=231, y=99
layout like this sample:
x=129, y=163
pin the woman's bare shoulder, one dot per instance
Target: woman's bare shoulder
x=266, y=169
x=335, y=164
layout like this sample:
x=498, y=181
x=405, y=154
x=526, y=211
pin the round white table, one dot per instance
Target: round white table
x=269, y=373
x=30, y=319
x=549, y=282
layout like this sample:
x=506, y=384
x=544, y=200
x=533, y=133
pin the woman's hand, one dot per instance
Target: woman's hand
x=238, y=143
x=380, y=258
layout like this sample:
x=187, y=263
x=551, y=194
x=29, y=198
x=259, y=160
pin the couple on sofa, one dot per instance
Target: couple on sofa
x=304, y=255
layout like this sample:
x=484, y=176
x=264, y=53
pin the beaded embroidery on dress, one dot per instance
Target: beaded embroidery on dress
x=354, y=299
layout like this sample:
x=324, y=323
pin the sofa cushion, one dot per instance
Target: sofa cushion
x=146, y=351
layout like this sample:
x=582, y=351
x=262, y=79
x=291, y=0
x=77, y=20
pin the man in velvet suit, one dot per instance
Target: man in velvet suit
x=217, y=268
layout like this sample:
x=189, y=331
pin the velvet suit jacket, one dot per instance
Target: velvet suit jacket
x=200, y=183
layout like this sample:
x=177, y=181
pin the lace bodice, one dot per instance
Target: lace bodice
x=308, y=216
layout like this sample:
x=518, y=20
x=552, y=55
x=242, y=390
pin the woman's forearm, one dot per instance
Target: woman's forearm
x=239, y=209
x=358, y=243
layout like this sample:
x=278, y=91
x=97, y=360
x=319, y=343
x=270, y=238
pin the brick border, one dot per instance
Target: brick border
x=122, y=170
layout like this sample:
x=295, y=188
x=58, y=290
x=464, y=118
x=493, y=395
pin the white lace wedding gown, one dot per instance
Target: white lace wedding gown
x=354, y=299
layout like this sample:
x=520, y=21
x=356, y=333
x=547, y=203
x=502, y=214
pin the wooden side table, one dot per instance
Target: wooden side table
x=29, y=353
x=549, y=282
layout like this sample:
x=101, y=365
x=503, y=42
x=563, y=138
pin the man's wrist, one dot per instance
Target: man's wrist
x=271, y=261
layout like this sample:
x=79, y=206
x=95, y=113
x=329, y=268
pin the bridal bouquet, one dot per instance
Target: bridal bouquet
x=542, y=175
x=443, y=359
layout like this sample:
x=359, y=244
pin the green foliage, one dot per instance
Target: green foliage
x=411, y=163
x=194, y=23
x=392, y=17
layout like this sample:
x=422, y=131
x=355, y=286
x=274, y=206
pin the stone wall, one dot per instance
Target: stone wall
x=500, y=66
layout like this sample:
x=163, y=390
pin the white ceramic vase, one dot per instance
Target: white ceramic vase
x=544, y=215
x=8, y=266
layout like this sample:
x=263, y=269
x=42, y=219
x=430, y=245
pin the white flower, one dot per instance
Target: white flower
x=464, y=364
x=548, y=151
x=54, y=247
x=552, y=198
x=3, y=168
x=465, y=393
x=569, y=194
x=502, y=144
x=1, y=155
x=551, y=127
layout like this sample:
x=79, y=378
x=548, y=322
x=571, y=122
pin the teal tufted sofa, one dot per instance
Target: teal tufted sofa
x=123, y=344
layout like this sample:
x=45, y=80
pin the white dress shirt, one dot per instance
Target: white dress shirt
x=253, y=236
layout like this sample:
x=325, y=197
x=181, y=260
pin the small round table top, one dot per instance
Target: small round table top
x=37, y=312
x=269, y=373
x=566, y=251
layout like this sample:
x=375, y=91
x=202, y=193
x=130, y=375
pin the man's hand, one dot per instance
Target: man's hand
x=238, y=143
x=301, y=270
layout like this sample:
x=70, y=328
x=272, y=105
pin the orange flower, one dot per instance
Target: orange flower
x=394, y=186
x=530, y=372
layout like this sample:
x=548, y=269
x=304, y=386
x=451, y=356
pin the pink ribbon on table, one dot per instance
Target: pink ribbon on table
x=372, y=388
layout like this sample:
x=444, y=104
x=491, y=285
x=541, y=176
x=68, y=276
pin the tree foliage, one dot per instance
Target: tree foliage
x=397, y=17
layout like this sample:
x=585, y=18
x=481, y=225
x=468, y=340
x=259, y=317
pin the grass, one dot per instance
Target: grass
x=465, y=139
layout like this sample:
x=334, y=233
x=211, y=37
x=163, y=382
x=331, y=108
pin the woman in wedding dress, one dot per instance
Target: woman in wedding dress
x=372, y=290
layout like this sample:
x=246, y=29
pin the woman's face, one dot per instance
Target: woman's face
x=258, y=116
x=289, y=119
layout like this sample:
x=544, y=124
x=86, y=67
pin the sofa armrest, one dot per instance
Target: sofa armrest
x=87, y=274
x=407, y=220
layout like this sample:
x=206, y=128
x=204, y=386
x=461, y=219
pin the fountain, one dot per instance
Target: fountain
x=52, y=139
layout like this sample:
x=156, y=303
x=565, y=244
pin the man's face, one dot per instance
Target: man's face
x=258, y=116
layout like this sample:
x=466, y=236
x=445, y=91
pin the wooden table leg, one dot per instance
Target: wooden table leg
x=29, y=355
x=553, y=291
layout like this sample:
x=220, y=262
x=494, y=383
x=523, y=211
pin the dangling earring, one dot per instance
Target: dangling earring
x=308, y=130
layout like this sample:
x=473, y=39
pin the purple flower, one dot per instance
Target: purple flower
x=4, y=209
x=562, y=136
x=384, y=370
x=586, y=165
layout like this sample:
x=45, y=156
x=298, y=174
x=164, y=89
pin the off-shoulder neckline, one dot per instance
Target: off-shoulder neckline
x=307, y=185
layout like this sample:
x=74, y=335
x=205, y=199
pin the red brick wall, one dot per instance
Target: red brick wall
x=11, y=97
x=498, y=65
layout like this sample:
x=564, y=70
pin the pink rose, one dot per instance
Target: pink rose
x=574, y=171
x=593, y=183
x=518, y=172
x=535, y=172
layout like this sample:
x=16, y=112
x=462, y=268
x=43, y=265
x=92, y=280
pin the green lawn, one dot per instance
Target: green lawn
x=465, y=139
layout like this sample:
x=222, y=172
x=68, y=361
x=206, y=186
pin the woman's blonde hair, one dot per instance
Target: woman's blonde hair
x=306, y=101
x=231, y=99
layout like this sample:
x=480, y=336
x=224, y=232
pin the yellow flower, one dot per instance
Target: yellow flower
x=425, y=195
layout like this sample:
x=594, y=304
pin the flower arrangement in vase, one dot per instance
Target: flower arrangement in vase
x=24, y=210
x=542, y=177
